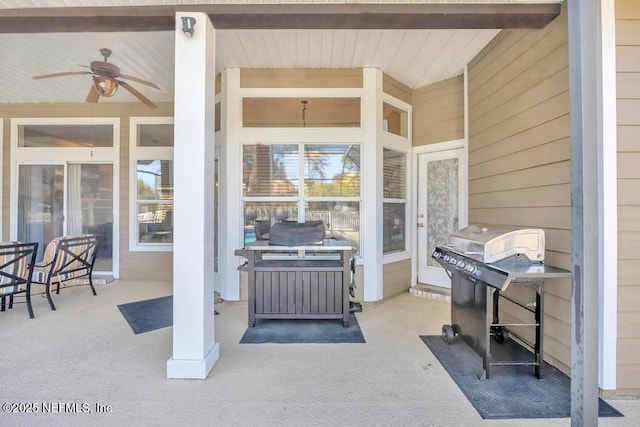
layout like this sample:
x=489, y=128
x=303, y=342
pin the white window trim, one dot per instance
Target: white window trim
x=63, y=156
x=400, y=144
x=143, y=153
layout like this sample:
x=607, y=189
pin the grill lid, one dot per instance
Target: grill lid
x=492, y=243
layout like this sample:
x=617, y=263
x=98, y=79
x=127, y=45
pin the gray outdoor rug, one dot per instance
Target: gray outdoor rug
x=290, y=331
x=148, y=315
x=511, y=391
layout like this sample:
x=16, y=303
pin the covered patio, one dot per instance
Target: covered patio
x=85, y=352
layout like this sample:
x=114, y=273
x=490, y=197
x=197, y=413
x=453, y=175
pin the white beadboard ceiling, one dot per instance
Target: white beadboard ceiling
x=414, y=57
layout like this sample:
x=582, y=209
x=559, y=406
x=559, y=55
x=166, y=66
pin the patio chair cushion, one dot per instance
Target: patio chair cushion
x=8, y=268
x=65, y=267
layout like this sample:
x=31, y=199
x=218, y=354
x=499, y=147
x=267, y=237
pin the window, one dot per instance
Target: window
x=151, y=189
x=301, y=112
x=394, y=120
x=65, y=135
x=394, y=201
x=293, y=181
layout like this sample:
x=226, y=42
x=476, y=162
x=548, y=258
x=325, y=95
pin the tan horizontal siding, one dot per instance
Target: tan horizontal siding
x=552, y=108
x=627, y=9
x=300, y=78
x=627, y=58
x=628, y=298
x=628, y=272
x=542, y=217
x=628, y=159
x=552, y=195
x=519, y=158
x=628, y=194
x=438, y=112
x=534, y=156
x=552, y=130
x=628, y=138
x=549, y=174
x=396, y=278
x=628, y=111
x=629, y=358
x=540, y=65
x=396, y=89
x=629, y=165
x=629, y=245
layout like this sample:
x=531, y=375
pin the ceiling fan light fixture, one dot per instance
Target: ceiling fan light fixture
x=105, y=86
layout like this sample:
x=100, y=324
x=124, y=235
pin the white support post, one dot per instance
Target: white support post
x=608, y=202
x=194, y=348
x=371, y=209
x=231, y=185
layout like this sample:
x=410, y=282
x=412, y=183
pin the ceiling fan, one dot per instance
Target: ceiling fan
x=106, y=78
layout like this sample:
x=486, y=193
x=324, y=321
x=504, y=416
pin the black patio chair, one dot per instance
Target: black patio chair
x=17, y=261
x=67, y=258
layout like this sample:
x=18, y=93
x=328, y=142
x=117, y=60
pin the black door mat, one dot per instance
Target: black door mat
x=511, y=391
x=149, y=315
x=290, y=331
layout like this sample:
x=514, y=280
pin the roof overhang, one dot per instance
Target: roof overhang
x=283, y=16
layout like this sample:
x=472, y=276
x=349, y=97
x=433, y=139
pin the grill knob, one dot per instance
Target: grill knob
x=437, y=254
x=461, y=264
x=471, y=268
x=446, y=258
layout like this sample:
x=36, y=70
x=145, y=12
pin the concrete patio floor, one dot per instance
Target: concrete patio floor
x=86, y=353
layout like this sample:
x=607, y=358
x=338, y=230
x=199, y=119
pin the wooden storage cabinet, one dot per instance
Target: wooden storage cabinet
x=309, y=282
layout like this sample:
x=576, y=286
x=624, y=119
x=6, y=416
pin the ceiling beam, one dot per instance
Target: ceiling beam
x=281, y=16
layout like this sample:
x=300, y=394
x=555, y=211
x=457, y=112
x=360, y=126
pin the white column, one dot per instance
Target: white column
x=231, y=229
x=608, y=202
x=371, y=209
x=194, y=349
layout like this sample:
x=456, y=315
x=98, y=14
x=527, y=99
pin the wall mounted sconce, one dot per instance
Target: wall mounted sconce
x=188, y=22
x=105, y=86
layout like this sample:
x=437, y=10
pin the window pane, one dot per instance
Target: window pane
x=442, y=203
x=40, y=204
x=258, y=217
x=332, y=170
x=292, y=112
x=155, y=179
x=56, y=136
x=155, y=222
x=394, y=170
x=394, y=227
x=155, y=201
x=90, y=207
x=341, y=219
x=155, y=135
x=270, y=170
x=394, y=120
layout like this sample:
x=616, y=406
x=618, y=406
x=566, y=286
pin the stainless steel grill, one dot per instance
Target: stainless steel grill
x=483, y=261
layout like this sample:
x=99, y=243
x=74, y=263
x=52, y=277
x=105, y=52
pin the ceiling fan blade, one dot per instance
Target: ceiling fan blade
x=137, y=94
x=139, y=80
x=93, y=94
x=65, y=73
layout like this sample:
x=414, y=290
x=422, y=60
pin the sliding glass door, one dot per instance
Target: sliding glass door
x=67, y=199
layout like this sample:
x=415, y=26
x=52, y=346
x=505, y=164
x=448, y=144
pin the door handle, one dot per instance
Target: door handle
x=421, y=225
